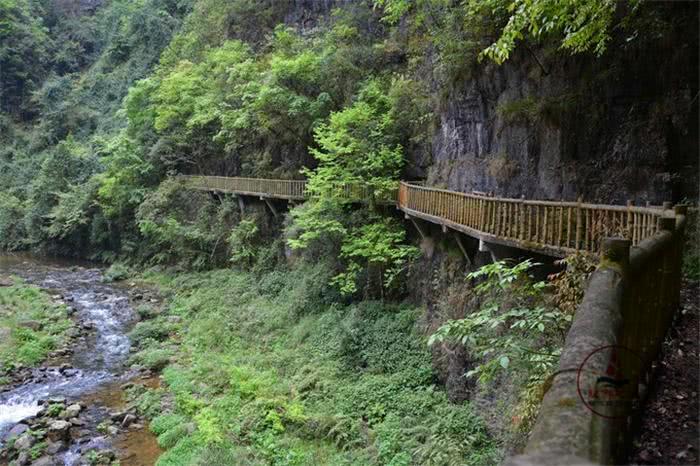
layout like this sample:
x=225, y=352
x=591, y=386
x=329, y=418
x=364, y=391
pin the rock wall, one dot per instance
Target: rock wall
x=551, y=126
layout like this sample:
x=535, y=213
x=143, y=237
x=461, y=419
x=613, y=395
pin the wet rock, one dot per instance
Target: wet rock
x=45, y=461
x=57, y=400
x=128, y=420
x=23, y=459
x=59, y=430
x=71, y=411
x=24, y=442
x=16, y=431
x=117, y=416
x=76, y=433
x=56, y=447
x=104, y=457
x=77, y=422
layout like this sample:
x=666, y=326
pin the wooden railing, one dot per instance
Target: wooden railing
x=556, y=228
x=546, y=225
x=279, y=189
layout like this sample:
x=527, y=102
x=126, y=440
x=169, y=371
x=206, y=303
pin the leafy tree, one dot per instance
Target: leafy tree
x=584, y=25
x=379, y=246
x=512, y=327
x=580, y=25
x=358, y=146
x=243, y=242
x=24, y=47
x=183, y=229
x=63, y=170
x=358, y=155
x=12, y=232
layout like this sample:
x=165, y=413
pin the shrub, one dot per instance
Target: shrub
x=116, y=272
x=151, y=330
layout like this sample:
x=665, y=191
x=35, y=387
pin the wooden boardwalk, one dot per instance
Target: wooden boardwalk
x=547, y=227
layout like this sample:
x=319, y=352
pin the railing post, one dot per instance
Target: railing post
x=669, y=288
x=616, y=251
x=521, y=212
x=579, y=224
x=630, y=230
x=680, y=211
x=609, y=433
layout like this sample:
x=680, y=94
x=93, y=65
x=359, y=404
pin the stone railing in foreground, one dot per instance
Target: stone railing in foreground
x=592, y=407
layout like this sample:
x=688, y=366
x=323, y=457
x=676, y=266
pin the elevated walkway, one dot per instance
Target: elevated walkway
x=546, y=227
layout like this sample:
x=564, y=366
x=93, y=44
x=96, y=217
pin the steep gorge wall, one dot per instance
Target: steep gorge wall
x=550, y=126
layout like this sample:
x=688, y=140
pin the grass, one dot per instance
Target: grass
x=31, y=325
x=270, y=370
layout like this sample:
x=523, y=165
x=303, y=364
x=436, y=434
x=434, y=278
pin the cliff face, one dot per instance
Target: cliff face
x=549, y=126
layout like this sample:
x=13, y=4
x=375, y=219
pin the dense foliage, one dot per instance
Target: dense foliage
x=580, y=26
x=294, y=379
x=101, y=102
x=517, y=330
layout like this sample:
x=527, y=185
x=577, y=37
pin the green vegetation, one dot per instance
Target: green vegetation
x=98, y=106
x=579, y=26
x=31, y=325
x=266, y=375
x=517, y=332
x=298, y=347
x=358, y=148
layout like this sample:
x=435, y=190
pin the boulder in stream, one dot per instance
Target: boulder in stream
x=71, y=411
x=16, y=431
x=58, y=430
x=24, y=442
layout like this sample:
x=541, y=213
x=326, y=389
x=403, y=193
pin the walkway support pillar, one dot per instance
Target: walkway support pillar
x=270, y=205
x=422, y=234
x=462, y=248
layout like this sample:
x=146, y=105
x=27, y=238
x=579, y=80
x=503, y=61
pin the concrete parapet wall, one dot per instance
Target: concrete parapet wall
x=615, y=336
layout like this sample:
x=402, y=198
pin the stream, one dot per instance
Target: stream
x=97, y=360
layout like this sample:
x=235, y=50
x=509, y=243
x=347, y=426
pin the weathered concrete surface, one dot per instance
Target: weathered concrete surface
x=564, y=424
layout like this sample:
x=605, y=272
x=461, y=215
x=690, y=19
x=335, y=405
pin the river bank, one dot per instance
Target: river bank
x=64, y=405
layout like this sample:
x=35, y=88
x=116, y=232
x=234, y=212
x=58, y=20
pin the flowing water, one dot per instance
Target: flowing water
x=96, y=360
